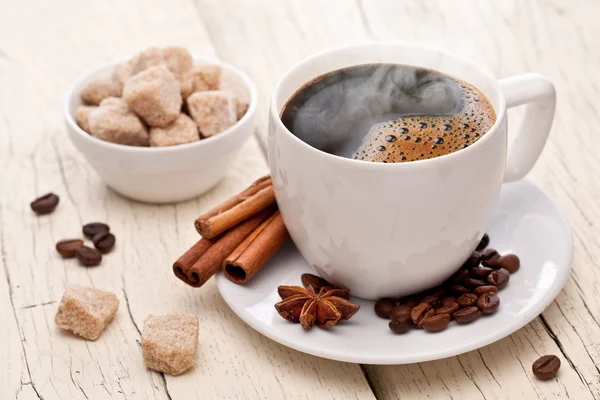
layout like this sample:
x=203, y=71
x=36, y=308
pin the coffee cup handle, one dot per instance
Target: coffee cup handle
x=538, y=95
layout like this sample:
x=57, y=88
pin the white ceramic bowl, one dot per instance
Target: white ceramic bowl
x=162, y=174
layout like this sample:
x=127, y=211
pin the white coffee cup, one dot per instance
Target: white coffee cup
x=389, y=230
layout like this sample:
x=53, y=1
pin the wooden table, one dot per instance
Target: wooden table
x=44, y=46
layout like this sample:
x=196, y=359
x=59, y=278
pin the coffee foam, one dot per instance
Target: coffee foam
x=412, y=138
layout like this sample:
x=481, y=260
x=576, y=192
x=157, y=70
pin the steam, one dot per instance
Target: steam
x=335, y=113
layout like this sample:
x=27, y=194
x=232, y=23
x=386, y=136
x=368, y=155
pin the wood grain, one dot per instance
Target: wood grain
x=558, y=39
x=43, y=48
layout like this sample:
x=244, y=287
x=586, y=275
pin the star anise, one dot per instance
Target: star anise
x=326, y=308
x=315, y=281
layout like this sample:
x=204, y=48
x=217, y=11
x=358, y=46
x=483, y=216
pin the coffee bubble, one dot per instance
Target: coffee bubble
x=388, y=113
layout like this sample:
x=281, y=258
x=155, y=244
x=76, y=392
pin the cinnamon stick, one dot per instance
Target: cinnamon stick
x=189, y=258
x=257, y=197
x=250, y=256
x=212, y=253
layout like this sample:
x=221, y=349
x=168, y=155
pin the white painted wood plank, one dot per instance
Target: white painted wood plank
x=267, y=37
x=234, y=361
x=43, y=48
x=50, y=45
x=514, y=37
x=15, y=379
x=559, y=39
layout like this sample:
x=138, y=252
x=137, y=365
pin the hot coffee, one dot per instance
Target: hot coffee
x=388, y=113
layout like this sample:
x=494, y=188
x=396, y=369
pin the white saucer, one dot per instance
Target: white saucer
x=527, y=223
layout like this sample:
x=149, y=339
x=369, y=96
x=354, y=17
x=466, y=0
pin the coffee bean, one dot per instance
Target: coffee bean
x=67, y=247
x=104, y=241
x=473, y=260
x=472, y=282
x=499, y=278
x=510, y=262
x=419, y=312
x=431, y=299
x=428, y=314
x=492, y=263
x=400, y=312
x=490, y=258
x=480, y=272
x=400, y=326
x=447, y=300
x=483, y=243
x=93, y=228
x=450, y=309
x=485, y=289
x=489, y=253
x=410, y=301
x=460, y=276
x=45, y=204
x=438, y=292
x=488, y=303
x=467, y=300
x=88, y=256
x=313, y=280
x=466, y=315
x=546, y=367
x=458, y=289
x=436, y=323
x=383, y=308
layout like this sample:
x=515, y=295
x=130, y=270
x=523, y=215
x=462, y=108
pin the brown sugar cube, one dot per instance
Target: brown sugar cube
x=113, y=121
x=154, y=94
x=213, y=111
x=187, y=85
x=170, y=342
x=82, y=117
x=151, y=57
x=177, y=59
x=240, y=92
x=101, y=87
x=86, y=311
x=205, y=77
x=182, y=130
x=124, y=71
x=116, y=103
x=148, y=58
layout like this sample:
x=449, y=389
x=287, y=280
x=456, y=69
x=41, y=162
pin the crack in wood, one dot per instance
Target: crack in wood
x=425, y=375
x=368, y=379
x=162, y=375
x=129, y=308
x=488, y=368
x=38, y=305
x=580, y=338
x=12, y=304
x=447, y=389
x=525, y=371
x=63, y=177
x=164, y=382
x=580, y=294
x=470, y=377
x=77, y=385
x=564, y=353
x=364, y=20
